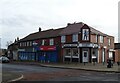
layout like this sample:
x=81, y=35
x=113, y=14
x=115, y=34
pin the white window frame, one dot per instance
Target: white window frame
x=75, y=37
x=96, y=38
x=30, y=43
x=43, y=42
x=51, y=41
x=109, y=41
x=101, y=39
x=20, y=44
x=63, y=39
x=27, y=43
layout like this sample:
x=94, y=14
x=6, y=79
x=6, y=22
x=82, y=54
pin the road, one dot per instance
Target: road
x=37, y=73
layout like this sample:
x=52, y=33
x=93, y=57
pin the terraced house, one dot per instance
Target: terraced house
x=76, y=42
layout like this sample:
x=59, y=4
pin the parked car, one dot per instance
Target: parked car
x=4, y=59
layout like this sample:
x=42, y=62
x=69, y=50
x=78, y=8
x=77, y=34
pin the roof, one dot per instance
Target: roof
x=43, y=34
x=76, y=28
x=69, y=29
x=72, y=28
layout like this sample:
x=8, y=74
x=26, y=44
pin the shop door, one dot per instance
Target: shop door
x=42, y=56
x=52, y=56
x=85, y=56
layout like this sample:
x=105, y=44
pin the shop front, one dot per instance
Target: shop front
x=47, y=54
x=70, y=53
x=82, y=52
x=26, y=54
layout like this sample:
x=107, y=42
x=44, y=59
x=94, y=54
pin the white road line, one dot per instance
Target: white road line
x=16, y=79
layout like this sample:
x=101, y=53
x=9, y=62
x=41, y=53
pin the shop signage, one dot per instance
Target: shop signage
x=47, y=48
x=88, y=45
x=21, y=49
x=69, y=45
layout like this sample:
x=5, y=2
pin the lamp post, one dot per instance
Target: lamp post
x=0, y=47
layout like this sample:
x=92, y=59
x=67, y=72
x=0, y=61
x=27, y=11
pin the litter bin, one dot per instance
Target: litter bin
x=109, y=63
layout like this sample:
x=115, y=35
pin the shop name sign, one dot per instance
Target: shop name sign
x=88, y=45
x=47, y=48
x=69, y=45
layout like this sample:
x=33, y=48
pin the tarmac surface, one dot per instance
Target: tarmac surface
x=35, y=71
x=80, y=66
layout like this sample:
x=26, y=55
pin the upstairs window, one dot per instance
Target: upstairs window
x=51, y=42
x=27, y=43
x=20, y=44
x=96, y=38
x=101, y=39
x=75, y=37
x=43, y=42
x=63, y=39
x=109, y=41
x=30, y=43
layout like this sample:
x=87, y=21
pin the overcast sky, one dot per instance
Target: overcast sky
x=18, y=18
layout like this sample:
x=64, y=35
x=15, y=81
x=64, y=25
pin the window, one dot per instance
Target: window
x=20, y=44
x=75, y=37
x=30, y=43
x=43, y=42
x=27, y=43
x=85, y=34
x=75, y=52
x=109, y=41
x=63, y=39
x=101, y=39
x=67, y=52
x=51, y=42
x=96, y=38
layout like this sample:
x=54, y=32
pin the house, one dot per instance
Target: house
x=81, y=42
x=43, y=46
x=76, y=42
x=12, y=52
x=117, y=52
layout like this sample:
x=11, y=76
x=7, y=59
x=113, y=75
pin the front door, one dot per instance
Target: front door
x=85, y=56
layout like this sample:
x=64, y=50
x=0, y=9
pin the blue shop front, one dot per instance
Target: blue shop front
x=47, y=54
x=26, y=54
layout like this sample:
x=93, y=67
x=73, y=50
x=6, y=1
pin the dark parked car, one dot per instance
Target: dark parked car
x=4, y=59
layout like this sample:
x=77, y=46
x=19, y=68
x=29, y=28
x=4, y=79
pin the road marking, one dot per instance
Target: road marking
x=16, y=79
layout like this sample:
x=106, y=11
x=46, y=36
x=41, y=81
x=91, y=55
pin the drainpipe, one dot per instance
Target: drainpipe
x=71, y=55
x=78, y=54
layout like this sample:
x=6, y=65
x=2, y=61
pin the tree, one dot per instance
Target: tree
x=8, y=43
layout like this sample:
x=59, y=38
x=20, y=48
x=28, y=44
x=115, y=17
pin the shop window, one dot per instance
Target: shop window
x=67, y=52
x=75, y=37
x=63, y=39
x=51, y=42
x=101, y=39
x=75, y=52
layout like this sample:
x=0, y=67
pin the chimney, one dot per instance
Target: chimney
x=17, y=38
x=39, y=29
x=68, y=24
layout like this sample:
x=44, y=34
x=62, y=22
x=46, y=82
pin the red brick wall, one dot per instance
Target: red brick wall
x=93, y=38
x=68, y=39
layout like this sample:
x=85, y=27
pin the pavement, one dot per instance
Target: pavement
x=99, y=67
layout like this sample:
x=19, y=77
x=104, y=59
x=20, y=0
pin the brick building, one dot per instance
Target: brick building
x=76, y=42
x=117, y=52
